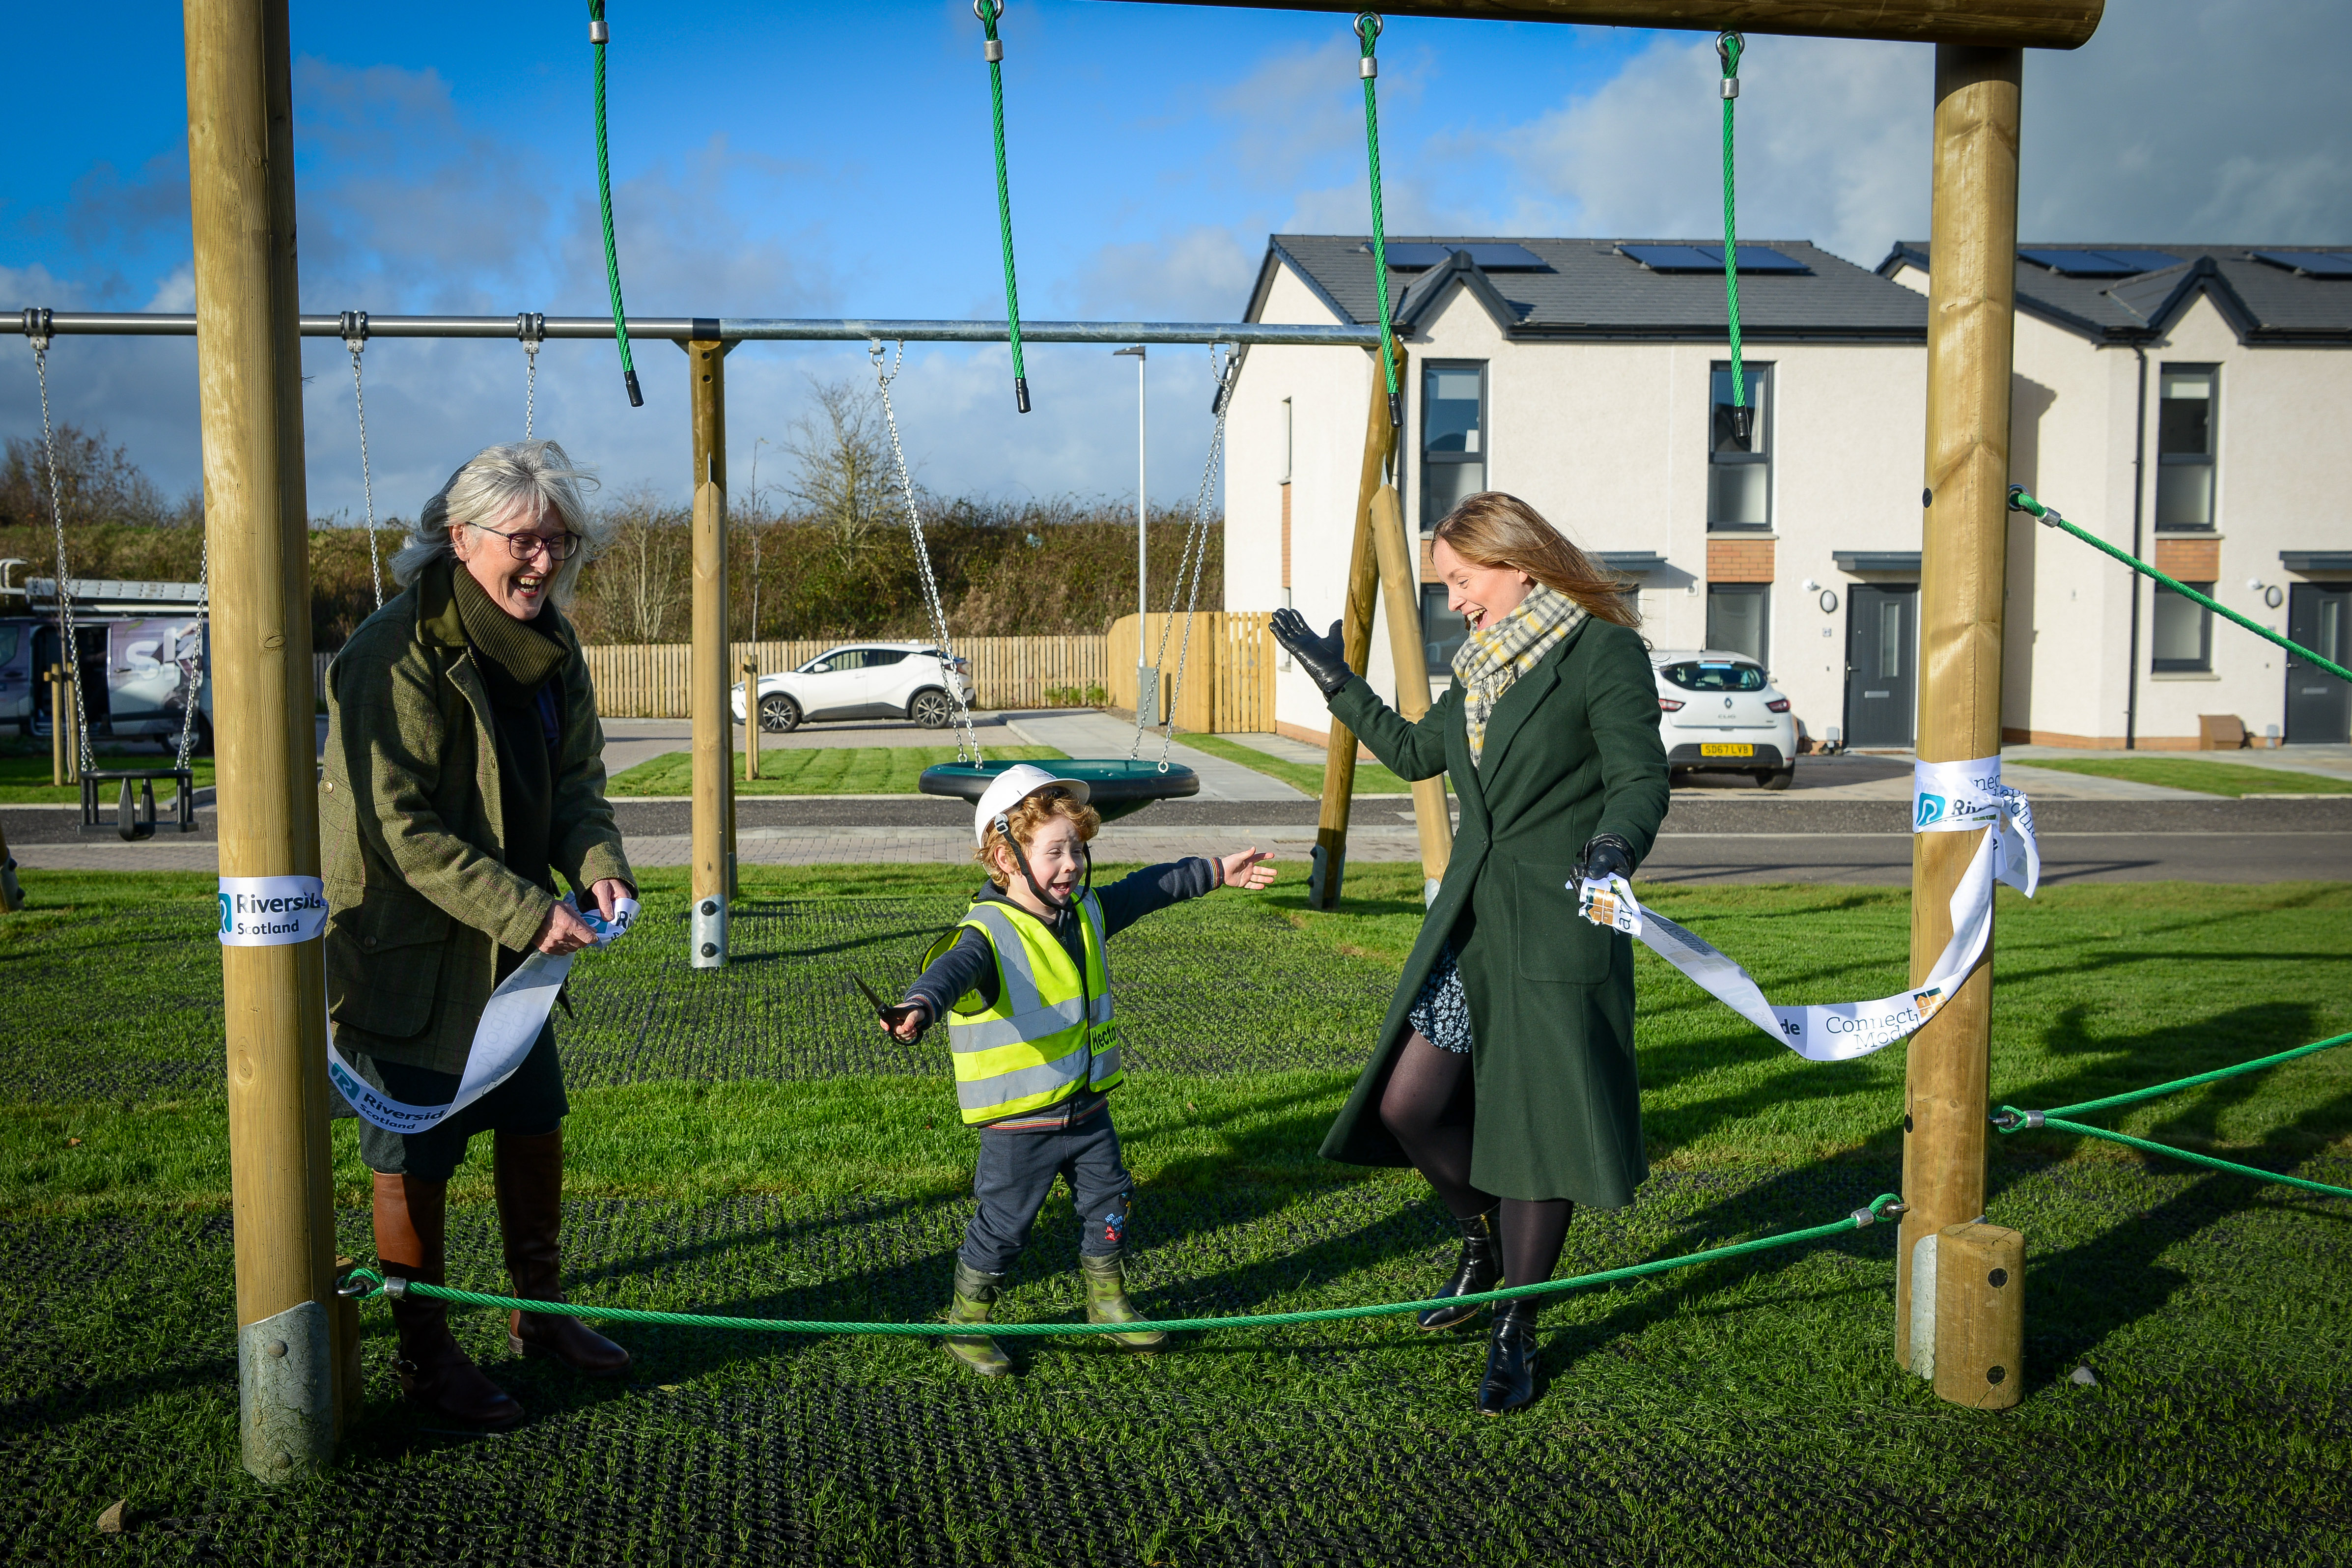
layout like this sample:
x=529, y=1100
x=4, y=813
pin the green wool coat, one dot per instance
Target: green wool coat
x=1572, y=750
x=412, y=831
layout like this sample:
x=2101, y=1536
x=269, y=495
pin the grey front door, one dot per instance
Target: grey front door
x=2319, y=705
x=1882, y=682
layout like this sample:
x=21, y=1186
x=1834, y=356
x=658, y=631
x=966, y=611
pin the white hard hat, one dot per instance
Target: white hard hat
x=1013, y=785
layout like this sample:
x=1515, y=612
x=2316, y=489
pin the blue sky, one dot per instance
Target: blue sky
x=798, y=160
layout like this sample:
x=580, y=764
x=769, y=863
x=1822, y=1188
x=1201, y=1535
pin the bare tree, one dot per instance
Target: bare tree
x=96, y=483
x=635, y=589
x=842, y=467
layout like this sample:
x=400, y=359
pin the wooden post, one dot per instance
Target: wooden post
x=249, y=383
x=1980, y=1316
x=714, y=726
x=1970, y=315
x=750, y=720
x=1356, y=640
x=1400, y=585
x=61, y=751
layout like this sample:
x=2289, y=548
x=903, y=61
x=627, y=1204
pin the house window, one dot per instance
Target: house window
x=1442, y=631
x=1740, y=472
x=1452, y=437
x=2181, y=640
x=2186, y=408
x=1738, y=618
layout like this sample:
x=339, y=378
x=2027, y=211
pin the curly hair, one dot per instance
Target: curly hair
x=1031, y=813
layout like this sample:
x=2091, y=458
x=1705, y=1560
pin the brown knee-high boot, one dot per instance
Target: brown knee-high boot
x=530, y=1214
x=410, y=1228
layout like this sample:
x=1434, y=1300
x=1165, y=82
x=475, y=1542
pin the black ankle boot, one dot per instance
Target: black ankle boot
x=1510, y=1380
x=1479, y=1268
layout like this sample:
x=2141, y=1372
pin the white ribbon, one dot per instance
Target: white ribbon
x=510, y=1024
x=1946, y=798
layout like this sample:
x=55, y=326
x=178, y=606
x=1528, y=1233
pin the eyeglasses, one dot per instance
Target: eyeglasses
x=523, y=546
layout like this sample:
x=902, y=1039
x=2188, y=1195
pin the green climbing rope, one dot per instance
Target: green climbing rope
x=2021, y=501
x=1729, y=47
x=988, y=11
x=1368, y=33
x=598, y=35
x=366, y=1282
x=2008, y=1118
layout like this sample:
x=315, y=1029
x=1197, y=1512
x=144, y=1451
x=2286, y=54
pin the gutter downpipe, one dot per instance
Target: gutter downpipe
x=2139, y=501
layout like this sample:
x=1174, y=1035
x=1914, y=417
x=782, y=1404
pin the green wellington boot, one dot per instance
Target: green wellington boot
x=1107, y=1300
x=975, y=1293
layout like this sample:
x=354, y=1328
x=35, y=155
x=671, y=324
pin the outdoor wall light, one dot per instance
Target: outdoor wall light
x=1827, y=601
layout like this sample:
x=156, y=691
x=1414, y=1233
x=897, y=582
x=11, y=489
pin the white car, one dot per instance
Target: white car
x=862, y=680
x=1720, y=714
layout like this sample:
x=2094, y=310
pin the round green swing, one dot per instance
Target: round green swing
x=1114, y=788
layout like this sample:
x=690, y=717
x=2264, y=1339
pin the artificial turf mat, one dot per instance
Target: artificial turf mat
x=740, y=1142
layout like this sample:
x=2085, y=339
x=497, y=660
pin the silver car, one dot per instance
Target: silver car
x=862, y=680
x=1720, y=714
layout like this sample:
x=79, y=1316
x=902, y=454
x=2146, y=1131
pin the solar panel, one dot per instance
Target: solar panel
x=2310, y=263
x=1709, y=258
x=1411, y=256
x=2081, y=261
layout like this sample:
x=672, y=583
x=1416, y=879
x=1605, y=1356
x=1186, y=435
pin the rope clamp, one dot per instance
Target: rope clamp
x=1731, y=86
x=599, y=32
x=1368, y=68
x=354, y=325
x=993, y=51
x=1885, y=1206
x=2008, y=1118
x=2021, y=501
x=36, y=327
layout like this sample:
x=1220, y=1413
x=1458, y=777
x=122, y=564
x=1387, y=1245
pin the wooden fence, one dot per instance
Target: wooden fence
x=1228, y=682
x=649, y=681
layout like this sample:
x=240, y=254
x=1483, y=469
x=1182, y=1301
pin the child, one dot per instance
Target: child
x=1024, y=985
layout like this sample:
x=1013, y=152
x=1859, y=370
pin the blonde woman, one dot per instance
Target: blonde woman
x=1505, y=1069
x=465, y=773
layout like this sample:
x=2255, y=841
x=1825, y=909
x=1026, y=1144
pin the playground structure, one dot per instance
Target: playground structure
x=246, y=325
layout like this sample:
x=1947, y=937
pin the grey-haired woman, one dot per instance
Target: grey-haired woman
x=464, y=772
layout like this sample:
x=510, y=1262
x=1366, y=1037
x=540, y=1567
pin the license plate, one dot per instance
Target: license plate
x=1727, y=751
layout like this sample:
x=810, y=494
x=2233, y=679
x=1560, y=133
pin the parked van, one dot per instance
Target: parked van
x=144, y=650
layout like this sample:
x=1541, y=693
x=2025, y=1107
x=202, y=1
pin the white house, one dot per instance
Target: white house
x=1592, y=378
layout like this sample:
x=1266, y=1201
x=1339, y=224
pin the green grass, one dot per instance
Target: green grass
x=1745, y=1413
x=25, y=775
x=825, y=770
x=1372, y=778
x=2206, y=778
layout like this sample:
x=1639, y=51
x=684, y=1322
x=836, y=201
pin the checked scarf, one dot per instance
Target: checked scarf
x=1499, y=654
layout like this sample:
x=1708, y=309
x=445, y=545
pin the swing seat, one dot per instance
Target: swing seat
x=135, y=822
x=1115, y=788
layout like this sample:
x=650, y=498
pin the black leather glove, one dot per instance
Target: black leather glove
x=1607, y=856
x=1323, y=658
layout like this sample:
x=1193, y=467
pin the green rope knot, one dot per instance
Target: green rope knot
x=1368, y=32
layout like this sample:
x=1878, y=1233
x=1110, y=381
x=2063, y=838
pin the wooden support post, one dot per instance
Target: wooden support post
x=1401, y=586
x=714, y=726
x=256, y=524
x=1980, y=1316
x=1356, y=639
x=1971, y=297
x=750, y=722
x=61, y=750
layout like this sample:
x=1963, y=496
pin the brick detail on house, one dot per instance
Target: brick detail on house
x=1285, y=533
x=2190, y=560
x=1740, y=561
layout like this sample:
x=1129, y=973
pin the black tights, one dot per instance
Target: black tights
x=1428, y=1107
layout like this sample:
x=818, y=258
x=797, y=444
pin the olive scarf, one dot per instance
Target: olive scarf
x=1496, y=656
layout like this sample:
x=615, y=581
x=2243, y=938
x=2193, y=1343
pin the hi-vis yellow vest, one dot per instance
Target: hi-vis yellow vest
x=1050, y=1032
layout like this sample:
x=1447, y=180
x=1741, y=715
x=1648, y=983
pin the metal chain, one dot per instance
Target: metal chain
x=531, y=327
x=71, y=650
x=1194, y=561
x=967, y=736
x=196, y=667
x=356, y=326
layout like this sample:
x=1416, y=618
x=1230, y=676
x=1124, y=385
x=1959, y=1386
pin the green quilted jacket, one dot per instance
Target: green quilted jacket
x=410, y=829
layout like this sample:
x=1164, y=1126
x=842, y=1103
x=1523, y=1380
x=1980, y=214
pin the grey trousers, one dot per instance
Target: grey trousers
x=1016, y=1175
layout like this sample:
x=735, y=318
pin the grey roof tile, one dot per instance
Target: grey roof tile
x=1589, y=290
x=2261, y=302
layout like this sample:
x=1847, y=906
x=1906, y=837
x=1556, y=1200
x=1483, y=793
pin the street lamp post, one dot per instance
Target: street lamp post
x=1147, y=679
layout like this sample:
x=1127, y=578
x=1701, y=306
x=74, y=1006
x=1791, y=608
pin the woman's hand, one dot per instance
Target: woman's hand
x=905, y=1024
x=1324, y=658
x=1249, y=870
x=608, y=894
x=563, y=931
